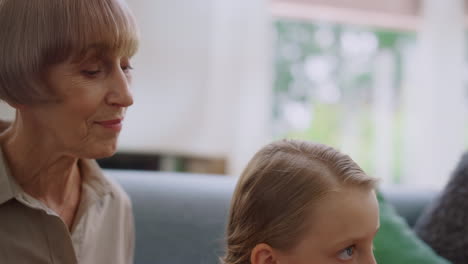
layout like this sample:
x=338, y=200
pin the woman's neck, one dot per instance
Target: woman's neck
x=39, y=167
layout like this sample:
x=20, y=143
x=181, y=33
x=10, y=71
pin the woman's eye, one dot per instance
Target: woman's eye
x=91, y=73
x=127, y=68
x=347, y=253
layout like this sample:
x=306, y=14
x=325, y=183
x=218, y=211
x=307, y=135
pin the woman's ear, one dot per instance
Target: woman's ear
x=263, y=254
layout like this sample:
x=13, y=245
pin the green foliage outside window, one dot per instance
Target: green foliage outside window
x=323, y=91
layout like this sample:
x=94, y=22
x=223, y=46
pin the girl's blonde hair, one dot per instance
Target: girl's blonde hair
x=36, y=34
x=275, y=192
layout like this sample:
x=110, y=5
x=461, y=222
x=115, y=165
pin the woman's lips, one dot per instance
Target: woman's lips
x=115, y=124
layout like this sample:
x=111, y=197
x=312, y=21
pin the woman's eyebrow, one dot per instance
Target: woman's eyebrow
x=93, y=52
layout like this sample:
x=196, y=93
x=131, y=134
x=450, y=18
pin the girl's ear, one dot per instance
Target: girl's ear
x=263, y=254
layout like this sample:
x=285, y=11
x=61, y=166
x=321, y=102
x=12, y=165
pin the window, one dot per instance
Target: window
x=342, y=85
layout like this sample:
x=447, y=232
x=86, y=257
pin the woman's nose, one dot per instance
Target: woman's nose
x=120, y=94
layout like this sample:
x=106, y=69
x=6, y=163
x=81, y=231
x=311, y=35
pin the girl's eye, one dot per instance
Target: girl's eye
x=347, y=253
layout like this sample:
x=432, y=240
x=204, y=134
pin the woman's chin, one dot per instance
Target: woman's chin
x=104, y=155
x=102, y=152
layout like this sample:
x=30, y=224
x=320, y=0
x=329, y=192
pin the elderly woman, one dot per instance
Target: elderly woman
x=65, y=68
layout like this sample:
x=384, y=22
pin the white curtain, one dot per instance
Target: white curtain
x=436, y=98
x=383, y=109
x=202, y=79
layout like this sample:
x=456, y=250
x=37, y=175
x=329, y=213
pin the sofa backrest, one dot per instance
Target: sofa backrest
x=180, y=218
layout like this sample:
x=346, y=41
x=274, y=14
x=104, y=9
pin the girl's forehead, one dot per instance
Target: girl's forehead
x=350, y=214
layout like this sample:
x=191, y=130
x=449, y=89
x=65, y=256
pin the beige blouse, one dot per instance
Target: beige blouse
x=30, y=232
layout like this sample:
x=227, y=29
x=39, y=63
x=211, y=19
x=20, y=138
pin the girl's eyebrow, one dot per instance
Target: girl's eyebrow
x=350, y=241
x=345, y=242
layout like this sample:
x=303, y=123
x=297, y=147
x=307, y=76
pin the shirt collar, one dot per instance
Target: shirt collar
x=94, y=179
x=8, y=186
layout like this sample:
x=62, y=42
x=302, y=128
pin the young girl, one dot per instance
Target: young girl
x=302, y=203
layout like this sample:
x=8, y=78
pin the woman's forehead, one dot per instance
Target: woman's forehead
x=98, y=52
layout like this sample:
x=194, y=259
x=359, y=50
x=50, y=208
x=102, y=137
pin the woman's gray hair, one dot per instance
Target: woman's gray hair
x=36, y=34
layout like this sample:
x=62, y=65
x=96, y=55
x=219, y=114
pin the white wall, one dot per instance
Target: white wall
x=170, y=77
x=202, y=80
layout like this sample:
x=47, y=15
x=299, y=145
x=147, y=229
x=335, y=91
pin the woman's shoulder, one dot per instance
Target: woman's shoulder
x=461, y=171
x=443, y=224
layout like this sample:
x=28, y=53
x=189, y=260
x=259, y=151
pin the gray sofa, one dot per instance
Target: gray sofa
x=180, y=218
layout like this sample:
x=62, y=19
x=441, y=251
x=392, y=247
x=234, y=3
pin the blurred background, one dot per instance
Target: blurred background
x=214, y=80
